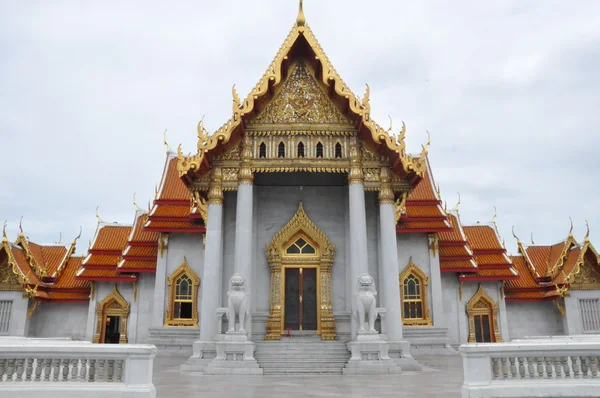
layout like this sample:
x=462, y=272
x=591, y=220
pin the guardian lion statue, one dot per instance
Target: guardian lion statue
x=366, y=302
x=237, y=302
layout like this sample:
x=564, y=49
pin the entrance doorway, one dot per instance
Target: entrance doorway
x=300, y=299
x=112, y=329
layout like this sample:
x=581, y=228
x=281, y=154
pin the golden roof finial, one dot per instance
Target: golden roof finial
x=571, y=229
x=166, y=143
x=21, y=226
x=149, y=206
x=532, y=242
x=439, y=191
x=4, y=237
x=98, y=214
x=156, y=186
x=495, y=215
x=301, y=19
x=587, y=234
x=391, y=124
x=515, y=235
x=425, y=149
x=78, y=236
x=137, y=208
x=59, y=238
x=367, y=97
x=445, y=206
x=457, y=204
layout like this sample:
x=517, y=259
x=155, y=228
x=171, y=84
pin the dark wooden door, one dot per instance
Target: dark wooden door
x=300, y=299
x=112, y=330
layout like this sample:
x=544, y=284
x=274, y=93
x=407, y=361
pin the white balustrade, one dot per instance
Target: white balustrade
x=556, y=366
x=74, y=369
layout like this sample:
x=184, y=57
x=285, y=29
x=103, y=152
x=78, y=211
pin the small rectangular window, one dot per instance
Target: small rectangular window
x=590, y=315
x=5, y=311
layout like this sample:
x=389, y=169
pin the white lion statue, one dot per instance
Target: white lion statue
x=366, y=302
x=237, y=302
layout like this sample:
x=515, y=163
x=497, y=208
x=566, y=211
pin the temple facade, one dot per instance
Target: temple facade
x=301, y=193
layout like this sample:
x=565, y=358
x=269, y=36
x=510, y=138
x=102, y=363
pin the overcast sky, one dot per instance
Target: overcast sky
x=510, y=91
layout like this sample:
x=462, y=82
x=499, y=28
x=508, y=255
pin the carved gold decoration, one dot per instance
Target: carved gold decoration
x=32, y=309
x=434, y=244
x=163, y=243
x=301, y=19
x=301, y=226
x=199, y=205
x=356, y=175
x=245, y=175
x=215, y=192
x=329, y=78
x=400, y=206
x=23, y=243
x=557, y=267
x=386, y=195
x=460, y=290
x=482, y=304
x=183, y=269
x=301, y=101
x=113, y=305
x=8, y=279
x=134, y=291
x=415, y=271
x=560, y=308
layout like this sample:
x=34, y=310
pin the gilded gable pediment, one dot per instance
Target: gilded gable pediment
x=301, y=101
x=586, y=279
x=8, y=279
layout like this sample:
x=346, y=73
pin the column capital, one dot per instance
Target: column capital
x=356, y=175
x=215, y=192
x=386, y=195
x=245, y=175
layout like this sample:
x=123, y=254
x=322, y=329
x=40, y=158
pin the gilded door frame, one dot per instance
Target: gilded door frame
x=300, y=226
x=120, y=308
x=489, y=307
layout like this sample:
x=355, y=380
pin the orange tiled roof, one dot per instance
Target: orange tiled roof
x=179, y=211
x=137, y=266
x=139, y=255
x=67, y=279
x=455, y=253
x=454, y=265
x=499, y=260
x=454, y=235
x=539, y=256
x=21, y=262
x=525, y=280
x=171, y=186
x=141, y=251
x=69, y=296
x=482, y=237
x=139, y=234
x=102, y=260
x=491, y=273
x=175, y=225
x=111, y=237
x=103, y=274
x=420, y=225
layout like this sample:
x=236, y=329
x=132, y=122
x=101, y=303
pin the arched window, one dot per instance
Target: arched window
x=300, y=246
x=338, y=151
x=483, y=318
x=319, y=150
x=262, y=150
x=413, y=292
x=183, y=293
x=301, y=150
x=281, y=150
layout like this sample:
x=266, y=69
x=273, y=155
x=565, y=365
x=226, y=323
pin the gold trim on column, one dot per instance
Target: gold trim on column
x=215, y=192
x=386, y=195
x=356, y=174
x=113, y=305
x=245, y=175
x=482, y=304
x=301, y=226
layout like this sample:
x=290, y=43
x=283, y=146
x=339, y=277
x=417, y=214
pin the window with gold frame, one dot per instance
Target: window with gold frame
x=413, y=296
x=482, y=312
x=183, y=287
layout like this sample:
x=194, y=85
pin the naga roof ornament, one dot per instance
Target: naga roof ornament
x=360, y=107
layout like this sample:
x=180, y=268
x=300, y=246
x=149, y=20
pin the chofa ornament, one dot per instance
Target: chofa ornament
x=366, y=303
x=237, y=302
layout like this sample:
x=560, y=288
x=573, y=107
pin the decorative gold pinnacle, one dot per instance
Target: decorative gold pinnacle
x=301, y=19
x=165, y=141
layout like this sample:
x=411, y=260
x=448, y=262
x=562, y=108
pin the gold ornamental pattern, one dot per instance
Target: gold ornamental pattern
x=301, y=101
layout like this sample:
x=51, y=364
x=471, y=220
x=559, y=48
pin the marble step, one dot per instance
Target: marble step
x=303, y=365
x=300, y=371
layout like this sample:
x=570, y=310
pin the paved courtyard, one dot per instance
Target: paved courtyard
x=443, y=377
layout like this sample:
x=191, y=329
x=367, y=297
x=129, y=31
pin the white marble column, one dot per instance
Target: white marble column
x=213, y=259
x=359, y=262
x=389, y=271
x=160, y=283
x=435, y=278
x=244, y=226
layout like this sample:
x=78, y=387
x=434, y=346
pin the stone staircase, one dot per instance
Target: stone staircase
x=302, y=354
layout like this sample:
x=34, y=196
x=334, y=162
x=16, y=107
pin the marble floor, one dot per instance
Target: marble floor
x=443, y=377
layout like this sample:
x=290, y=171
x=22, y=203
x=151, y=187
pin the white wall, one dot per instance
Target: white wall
x=416, y=245
x=533, y=319
x=573, y=323
x=59, y=319
x=18, y=315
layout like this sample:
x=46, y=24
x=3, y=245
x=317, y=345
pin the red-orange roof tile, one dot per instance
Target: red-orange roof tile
x=415, y=211
x=140, y=234
x=461, y=265
x=111, y=237
x=175, y=225
x=101, y=260
x=525, y=279
x=141, y=251
x=432, y=225
x=539, y=256
x=131, y=266
x=100, y=274
x=67, y=278
x=492, y=259
x=454, y=251
x=171, y=187
x=482, y=237
x=182, y=211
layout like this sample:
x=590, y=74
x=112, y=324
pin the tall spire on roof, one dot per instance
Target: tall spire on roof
x=301, y=19
x=4, y=237
x=587, y=234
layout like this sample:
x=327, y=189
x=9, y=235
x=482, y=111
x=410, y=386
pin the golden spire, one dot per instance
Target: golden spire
x=571, y=229
x=301, y=20
x=515, y=235
x=21, y=226
x=98, y=214
x=59, y=238
x=495, y=215
x=137, y=208
x=166, y=143
x=532, y=242
x=4, y=237
x=149, y=206
x=457, y=204
x=587, y=234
